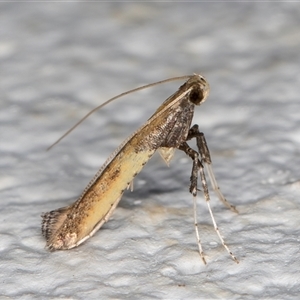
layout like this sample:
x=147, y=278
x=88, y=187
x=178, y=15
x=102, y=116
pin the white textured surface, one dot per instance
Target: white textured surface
x=60, y=60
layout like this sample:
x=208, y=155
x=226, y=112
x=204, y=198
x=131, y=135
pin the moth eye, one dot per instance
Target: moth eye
x=196, y=96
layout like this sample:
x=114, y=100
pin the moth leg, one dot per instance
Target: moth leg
x=130, y=186
x=197, y=166
x=206, y=159
x=194, y=155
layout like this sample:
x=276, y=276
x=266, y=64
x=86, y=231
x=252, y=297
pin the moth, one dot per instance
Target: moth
x=168, y=129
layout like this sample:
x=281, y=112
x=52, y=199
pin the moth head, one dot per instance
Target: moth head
x=199, y=89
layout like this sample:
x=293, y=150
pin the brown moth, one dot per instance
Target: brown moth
x=169, y=128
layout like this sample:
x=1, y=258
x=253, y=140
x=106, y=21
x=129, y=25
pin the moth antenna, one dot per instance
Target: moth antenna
x=114, y=98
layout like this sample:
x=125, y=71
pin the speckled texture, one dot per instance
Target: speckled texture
x=58, y=61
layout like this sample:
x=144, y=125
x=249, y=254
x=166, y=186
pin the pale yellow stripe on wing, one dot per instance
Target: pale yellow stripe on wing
x=108, y=188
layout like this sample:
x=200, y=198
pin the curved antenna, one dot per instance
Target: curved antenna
x=114, y=98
